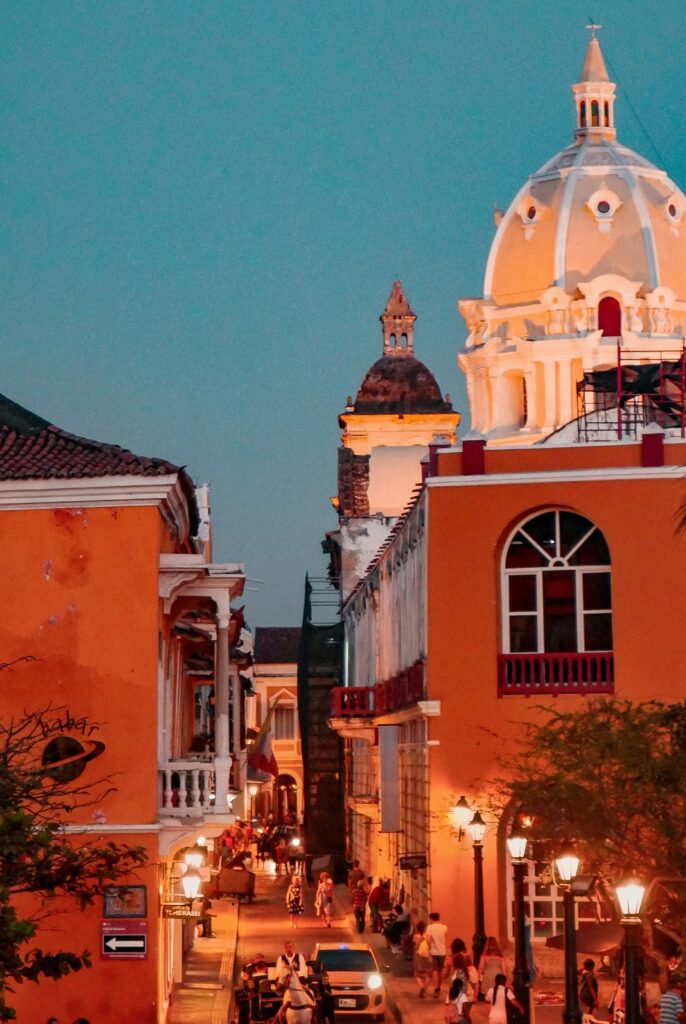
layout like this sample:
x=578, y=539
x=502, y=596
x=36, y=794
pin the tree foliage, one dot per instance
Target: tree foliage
x=40, y=859
x=609, y=781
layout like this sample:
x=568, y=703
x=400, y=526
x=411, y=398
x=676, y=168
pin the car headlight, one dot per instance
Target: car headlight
x=374, y=981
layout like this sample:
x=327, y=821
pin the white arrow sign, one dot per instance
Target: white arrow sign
x=133, y=942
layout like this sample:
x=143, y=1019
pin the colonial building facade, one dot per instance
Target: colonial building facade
x=385, y=433
x=276, y=689
x=121, y=625
x=518, y=570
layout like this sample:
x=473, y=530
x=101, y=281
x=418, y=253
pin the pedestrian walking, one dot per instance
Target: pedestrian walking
x=491, y=964
x=376, y=898
x=355, y=875
x=672, y=1003
x=359, y=905
x=323, y=903
x=435, y=935
x=422, y=964
x=281, y=857
x=294, y=900
x=588, y=988
x=617, y=1007
x=457, y=1004
x=498, y=996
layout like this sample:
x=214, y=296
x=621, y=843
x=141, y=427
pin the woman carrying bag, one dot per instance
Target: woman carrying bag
x=505, y=1009
x=422, y=964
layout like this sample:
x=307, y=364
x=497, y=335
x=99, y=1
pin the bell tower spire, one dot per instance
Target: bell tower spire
x=594, y=94
x=397, y=322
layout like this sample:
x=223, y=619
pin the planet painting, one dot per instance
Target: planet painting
x=64, y=758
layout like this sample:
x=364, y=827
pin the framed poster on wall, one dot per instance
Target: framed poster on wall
x=125, y=901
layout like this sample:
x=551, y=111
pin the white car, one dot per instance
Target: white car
x=356, y=982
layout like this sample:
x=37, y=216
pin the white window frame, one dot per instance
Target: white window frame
x=556, y=563
x=539, y=931
x=294, y=735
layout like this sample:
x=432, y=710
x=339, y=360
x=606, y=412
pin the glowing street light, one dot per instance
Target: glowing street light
x=460, y=815
x=567, y=869
x=477, y=831
x=630, y=898
x=194, y=856
x=516, y=845
x=191, y=882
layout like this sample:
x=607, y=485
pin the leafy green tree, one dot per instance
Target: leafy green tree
x=39, y=858
x=609, y=781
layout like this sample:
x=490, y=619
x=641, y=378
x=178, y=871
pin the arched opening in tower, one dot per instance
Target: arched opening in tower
x=610, y=317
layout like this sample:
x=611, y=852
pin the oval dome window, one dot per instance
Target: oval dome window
x=531, y=213
x=671, y=210
x=603, y=206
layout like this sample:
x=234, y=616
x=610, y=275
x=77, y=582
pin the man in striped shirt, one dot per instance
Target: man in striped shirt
x=671, y=1004
x=359, y=895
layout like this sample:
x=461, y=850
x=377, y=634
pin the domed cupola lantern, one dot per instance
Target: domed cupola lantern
x=397, y=321
x=594, y=95
x=586, y=272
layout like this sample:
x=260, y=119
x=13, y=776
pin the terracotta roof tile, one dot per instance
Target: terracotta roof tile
x=276, y=644
x=33, y=449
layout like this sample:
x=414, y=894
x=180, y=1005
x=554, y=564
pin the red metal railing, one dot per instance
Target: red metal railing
x=367, y=701
x=529, y=674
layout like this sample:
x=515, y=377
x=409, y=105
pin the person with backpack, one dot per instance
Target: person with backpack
x=498, y=997
x=457, y=1004
x=422, y=964
x=588, y=988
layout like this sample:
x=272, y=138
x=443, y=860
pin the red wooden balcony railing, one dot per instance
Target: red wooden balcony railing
x=529, y=674
x=352, y=702
x=367, y=701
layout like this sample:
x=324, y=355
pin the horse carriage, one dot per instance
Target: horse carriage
x=261, y=998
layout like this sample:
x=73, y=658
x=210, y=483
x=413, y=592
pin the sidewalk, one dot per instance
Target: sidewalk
x=207, y=989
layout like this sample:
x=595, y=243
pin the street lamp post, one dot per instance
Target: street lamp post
x=477, y=830
x=517, y=848
x=630, y=898
x=567, y=870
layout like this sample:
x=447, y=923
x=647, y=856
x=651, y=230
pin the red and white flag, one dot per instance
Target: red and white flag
x=261, y=756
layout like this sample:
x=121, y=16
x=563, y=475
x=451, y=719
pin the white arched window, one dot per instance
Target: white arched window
x=557, y=606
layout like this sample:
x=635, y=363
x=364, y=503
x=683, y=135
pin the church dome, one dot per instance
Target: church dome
x=596, y=208
x=587, y=270
x=399, y=382
x=399, y=385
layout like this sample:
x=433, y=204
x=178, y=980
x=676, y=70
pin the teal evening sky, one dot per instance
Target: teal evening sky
x=205, y=206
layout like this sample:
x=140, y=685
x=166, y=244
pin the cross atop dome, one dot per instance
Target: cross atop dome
x=397, y=321
x=594, y=94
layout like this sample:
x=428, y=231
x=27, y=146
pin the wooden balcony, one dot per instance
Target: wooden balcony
x=399, y=692
x=531, y=675
x=352, y=702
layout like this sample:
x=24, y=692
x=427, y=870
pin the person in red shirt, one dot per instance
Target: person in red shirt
x=379, y=899
x=359, y=896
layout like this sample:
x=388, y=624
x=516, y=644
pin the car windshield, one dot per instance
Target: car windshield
x=346, y=960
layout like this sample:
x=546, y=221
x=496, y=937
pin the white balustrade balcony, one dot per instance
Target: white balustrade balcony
x=186, y=789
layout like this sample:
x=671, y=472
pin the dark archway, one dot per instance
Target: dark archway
x=285, y=799
x=610, y=317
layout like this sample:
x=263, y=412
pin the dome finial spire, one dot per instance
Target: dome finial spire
x=594, y=93
x=397, y=321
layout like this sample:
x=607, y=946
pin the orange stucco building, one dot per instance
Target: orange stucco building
x=117, y=626
x=541, y=560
